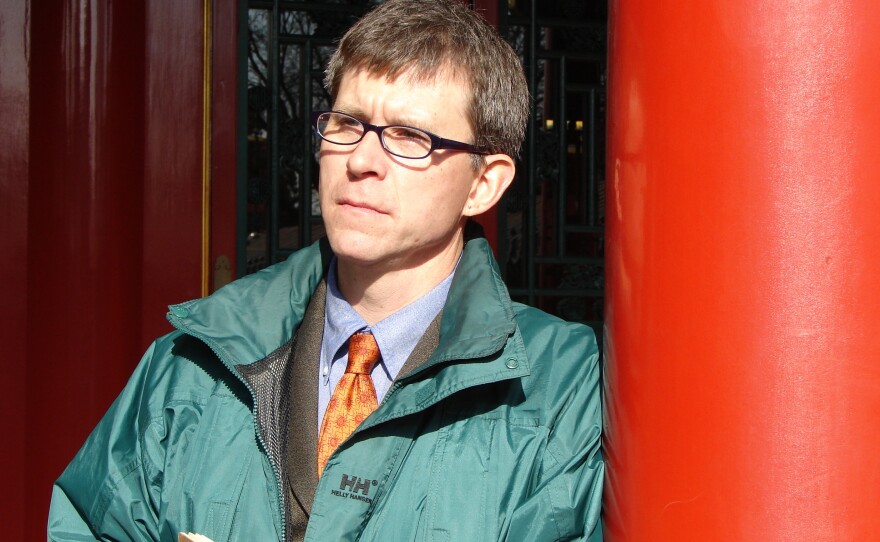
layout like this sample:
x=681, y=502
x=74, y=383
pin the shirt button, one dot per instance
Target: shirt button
x=512, y=363
x=326, y=370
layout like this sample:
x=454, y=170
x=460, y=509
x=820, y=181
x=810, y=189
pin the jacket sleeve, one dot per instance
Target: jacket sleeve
x=109, y=490
x=567, y=498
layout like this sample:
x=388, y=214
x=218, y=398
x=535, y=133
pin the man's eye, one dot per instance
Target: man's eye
x=344, y=123
x=402, y=133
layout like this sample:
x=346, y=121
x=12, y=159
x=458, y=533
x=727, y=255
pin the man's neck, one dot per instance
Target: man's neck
x=377, y=291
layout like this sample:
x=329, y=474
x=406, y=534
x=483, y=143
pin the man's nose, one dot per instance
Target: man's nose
x=368, y=155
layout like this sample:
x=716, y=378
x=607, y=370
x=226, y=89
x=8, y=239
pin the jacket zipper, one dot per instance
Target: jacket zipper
x=262, y=442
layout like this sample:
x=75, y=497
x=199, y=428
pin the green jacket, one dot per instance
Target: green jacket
x=495, y=437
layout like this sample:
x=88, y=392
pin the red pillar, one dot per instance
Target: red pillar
x=101, y=178
x=172, y=201
x=14, y=129
x=743, y=266
x=83, y=229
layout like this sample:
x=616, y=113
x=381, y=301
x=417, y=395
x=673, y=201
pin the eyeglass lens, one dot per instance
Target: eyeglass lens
x=400, y=140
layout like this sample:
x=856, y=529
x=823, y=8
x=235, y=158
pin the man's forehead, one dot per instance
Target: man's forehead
x=445, y=97
x=413, y=74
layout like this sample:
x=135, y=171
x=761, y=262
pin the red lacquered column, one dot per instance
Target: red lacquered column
x=14, y=165
x=84, y=227
x=743, y=268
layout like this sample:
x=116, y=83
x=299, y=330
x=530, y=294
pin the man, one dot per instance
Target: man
x=474, y=419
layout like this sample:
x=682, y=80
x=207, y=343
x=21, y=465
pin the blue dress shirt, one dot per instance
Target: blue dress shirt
x=396, y=335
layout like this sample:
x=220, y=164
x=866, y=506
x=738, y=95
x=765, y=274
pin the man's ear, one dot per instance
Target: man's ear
x=495, y=176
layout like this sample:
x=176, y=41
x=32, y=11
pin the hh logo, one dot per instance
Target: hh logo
x=356, y=485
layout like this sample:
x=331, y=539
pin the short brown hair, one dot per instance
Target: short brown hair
x=426, y=36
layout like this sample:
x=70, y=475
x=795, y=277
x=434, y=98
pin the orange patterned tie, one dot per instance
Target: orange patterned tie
x=353, y=399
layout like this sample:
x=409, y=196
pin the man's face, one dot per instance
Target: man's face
x=397, y=213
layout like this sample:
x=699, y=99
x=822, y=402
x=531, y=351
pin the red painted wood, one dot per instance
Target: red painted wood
x=14, y=161
x=224, y=137
x=84, y=226
x=106, y=221
x=742, y=341
x=172, y=194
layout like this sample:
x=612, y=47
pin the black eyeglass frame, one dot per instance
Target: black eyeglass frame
x=437, y=142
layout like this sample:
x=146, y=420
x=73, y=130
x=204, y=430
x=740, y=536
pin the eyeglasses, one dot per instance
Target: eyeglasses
x=402, y=141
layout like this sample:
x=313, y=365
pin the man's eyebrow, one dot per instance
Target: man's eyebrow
x=353, y=111
x=401, y=121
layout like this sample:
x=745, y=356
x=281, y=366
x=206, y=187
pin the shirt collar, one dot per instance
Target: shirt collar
x=396, y=335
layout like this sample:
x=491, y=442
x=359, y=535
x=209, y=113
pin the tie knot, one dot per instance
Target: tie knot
x=363, y=353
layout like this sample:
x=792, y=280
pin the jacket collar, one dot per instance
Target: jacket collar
x=478, y=343
x=253, y=316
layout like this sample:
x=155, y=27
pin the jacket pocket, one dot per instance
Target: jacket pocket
x=485, y=468
x=207, y=465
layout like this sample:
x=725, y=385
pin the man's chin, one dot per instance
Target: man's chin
x=360, y=251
